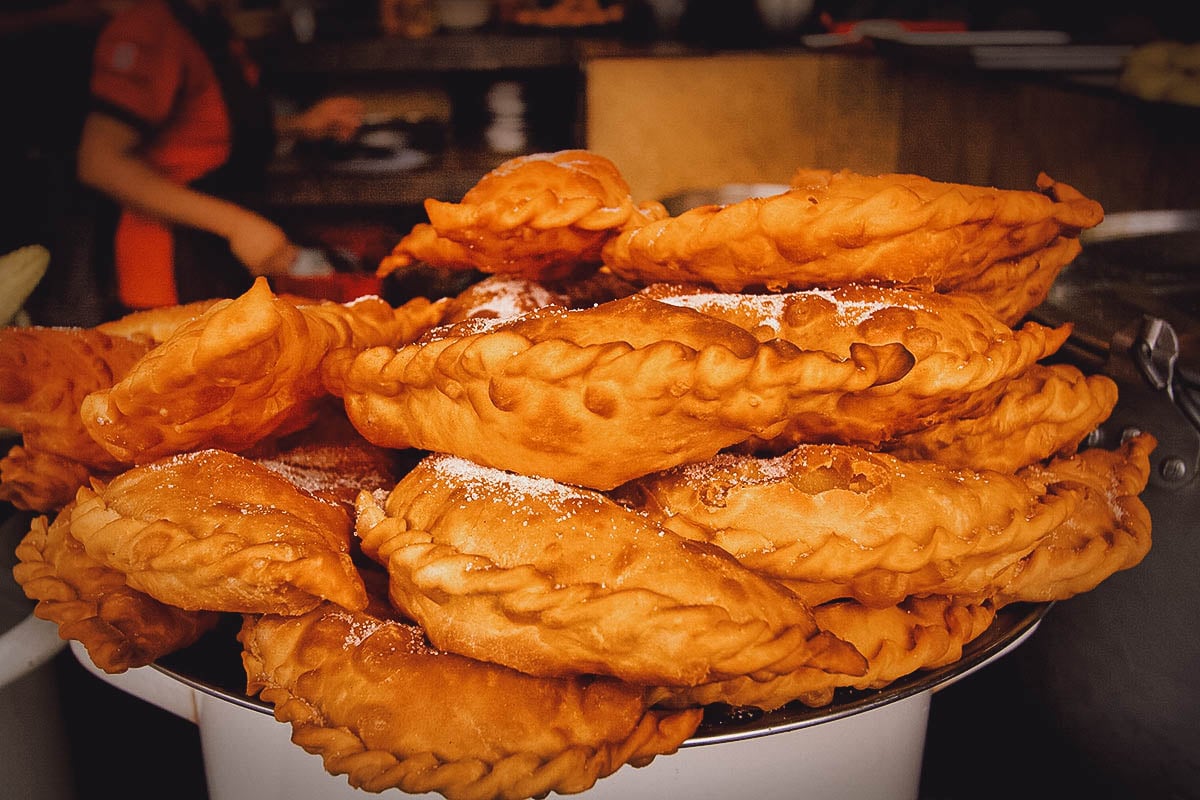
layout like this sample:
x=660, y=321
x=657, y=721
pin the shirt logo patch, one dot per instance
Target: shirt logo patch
x=124, y=54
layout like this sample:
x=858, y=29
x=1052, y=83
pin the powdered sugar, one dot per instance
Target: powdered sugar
x=483, y=483
x=851, y=307
x=507, y=297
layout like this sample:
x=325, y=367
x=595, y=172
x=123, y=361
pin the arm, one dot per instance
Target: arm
x=109, y=163
x=333, y=118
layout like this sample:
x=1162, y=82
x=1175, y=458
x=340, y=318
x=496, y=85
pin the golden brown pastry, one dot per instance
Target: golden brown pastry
x=837, y=521
x=379, y=705
x=554, y=581
x=555, y=392
x=541, y=216
x=1046, y=411
x=509, y=296
x=119, y=626
x=155, y=325
x=917, y=634
x=215, y=531
x=246, y=369
x=502, y=297
x=964, y=357
x=834, y=228
x=331, y=460
x=37, y=481
x=1108, y=532
x=45, y=374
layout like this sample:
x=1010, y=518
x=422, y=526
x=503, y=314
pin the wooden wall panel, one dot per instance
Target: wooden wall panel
x=686, y=122
x=674, y=123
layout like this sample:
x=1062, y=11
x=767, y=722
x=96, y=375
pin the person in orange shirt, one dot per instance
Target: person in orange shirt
x=179, y=134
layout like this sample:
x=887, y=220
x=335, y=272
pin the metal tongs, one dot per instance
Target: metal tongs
x=1156, y=397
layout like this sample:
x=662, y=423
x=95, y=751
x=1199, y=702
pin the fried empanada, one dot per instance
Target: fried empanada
x=91, y=603
x=964, y=356
x=836, y=228
x=541, y=216
x=555, y=392
x=379, y=705
x=210, y=530
x=553, y=580
x=838, y=521
x=245, y=369
x=45, y=375
x=1046, y=411
x=37, y=481
x=1109, y=531
x=918, y=633
x=331, y=460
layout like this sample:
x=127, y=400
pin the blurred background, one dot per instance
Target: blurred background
x=680, y=95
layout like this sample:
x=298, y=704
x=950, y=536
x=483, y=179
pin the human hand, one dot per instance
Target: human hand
x=332, y=118
x=261, y=245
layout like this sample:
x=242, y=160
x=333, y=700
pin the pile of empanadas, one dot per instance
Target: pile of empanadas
x=748, y=455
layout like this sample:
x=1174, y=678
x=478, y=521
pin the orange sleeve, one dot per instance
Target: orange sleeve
x=137, y=68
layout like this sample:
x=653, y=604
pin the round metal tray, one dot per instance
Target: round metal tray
x=213, y=665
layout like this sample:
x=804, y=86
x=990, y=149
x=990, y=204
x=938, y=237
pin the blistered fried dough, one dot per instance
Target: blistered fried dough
x=1109, y=531
x=1014, y=288
x=552, y=393
x=45, y=374
x=1047, y=411
x=834, y=228
x=540, y=216
x=212, y=530
x=837, y=521
x=119, y=626
x=37, y=481
x=379, y=705
x=964, y=356
x=245, y=369
x=917, y=634
x=555, y=581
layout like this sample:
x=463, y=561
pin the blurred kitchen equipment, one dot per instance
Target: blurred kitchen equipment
x=462, y=15
x=410, y=19
x=507, y=131
x=722, y=195
x=783, y=16
x=20, y=273
x=326, y=273
x=667, y=14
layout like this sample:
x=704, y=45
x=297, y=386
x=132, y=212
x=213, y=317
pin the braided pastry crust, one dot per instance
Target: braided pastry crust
x=119, y=626
x=917, y=634
x=553, y=393
x=211, y=530
x=834, y=228
x=1108, y=532
x=554, y=580
x=837, y=521
x=368, y=695
x=963, y=356
x=1046, y=411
